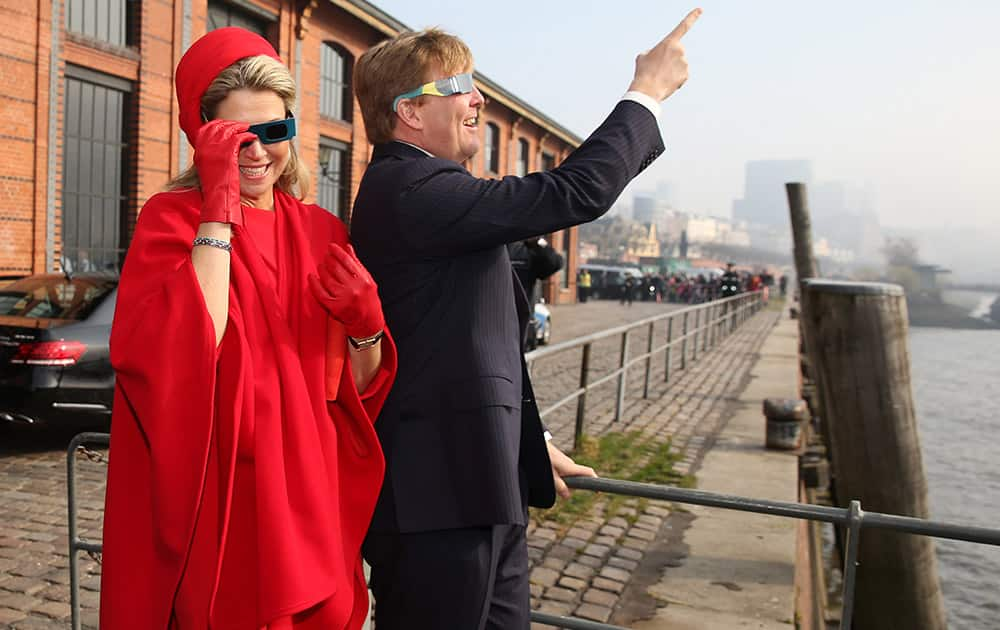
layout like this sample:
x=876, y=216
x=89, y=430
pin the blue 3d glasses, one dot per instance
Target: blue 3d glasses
x=275, y=131
x=458, y=84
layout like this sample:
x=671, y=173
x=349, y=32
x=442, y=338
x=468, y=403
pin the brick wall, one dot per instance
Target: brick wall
x=152, y=132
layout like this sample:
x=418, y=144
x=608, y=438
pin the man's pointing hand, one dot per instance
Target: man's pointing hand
x=661, y=70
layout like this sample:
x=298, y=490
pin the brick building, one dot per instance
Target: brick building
x=92, y=127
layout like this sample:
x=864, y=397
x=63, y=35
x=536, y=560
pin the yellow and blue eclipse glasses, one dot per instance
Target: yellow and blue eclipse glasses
x=274, y=131
x=458, y=84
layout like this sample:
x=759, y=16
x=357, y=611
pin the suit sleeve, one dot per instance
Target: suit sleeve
x=444, y=210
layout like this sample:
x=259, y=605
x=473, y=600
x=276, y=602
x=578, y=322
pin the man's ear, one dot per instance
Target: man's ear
x=409, y=114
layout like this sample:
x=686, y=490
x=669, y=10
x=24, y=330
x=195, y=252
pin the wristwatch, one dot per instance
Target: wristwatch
x=365, y=342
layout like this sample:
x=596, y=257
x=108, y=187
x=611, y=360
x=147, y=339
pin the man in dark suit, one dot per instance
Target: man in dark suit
x=464, y=446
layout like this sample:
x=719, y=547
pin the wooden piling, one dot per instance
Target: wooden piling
x=856, y=336
x=798, y=208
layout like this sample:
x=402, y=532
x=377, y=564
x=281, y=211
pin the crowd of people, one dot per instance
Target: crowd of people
x=687, y=288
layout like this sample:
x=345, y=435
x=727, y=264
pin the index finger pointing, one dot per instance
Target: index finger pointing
x=681, y=29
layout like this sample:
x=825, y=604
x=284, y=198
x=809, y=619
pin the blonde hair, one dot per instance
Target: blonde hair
x=398, y=65
x=260, y=73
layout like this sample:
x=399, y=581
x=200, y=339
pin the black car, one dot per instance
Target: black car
x=54, y=363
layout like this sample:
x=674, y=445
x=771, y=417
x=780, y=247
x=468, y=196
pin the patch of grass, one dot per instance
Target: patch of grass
x=627, y=456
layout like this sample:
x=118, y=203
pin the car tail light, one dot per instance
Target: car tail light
x=49, y=353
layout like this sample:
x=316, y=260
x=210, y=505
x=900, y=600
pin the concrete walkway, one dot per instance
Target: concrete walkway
x=740, y=567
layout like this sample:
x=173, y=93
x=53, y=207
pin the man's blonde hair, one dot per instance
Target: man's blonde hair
x=260, y=73
x=399, y=65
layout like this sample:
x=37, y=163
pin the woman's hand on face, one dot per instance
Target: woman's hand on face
x=216, y=158
x=347, y=291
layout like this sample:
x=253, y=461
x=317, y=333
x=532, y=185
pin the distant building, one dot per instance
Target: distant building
x=764, y=199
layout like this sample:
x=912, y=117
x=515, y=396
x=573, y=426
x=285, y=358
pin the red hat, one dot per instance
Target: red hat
x=204, y=60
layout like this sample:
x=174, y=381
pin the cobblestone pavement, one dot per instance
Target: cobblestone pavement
x=581, y=570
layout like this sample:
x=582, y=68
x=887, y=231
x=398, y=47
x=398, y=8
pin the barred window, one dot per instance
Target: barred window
x=333, y=183
x=104, y=20
x=335, y=82
x=491, y=153
x=93, y=182
x=522, y=157
x=222, y=14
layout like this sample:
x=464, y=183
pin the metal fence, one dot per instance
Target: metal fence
x=853, y=518
x=693, y=329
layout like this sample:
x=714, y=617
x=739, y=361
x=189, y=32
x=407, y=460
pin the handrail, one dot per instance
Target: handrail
x=712, y=328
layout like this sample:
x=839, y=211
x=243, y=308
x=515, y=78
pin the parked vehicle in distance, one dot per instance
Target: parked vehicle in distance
x=55, y=369
x=607, y=280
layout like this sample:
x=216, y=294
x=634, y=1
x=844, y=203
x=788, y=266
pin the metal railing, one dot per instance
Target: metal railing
x=853, y=517
x=76, y=544
x=703, y=324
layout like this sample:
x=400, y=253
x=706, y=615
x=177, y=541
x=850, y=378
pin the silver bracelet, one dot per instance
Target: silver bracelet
x=213, y=242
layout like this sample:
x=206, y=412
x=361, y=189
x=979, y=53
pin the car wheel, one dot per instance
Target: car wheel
x=547, y=332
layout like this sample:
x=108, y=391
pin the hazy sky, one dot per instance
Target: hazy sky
x=900, y=96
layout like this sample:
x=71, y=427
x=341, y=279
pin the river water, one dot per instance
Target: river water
x=956, y=387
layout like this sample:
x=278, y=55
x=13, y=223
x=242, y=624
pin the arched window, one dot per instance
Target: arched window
x=335, y=82
x=522, y=157
x=491, y=154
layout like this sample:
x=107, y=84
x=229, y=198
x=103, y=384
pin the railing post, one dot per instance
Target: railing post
x=855, y=516
x=581, y=402
x=712, y=324
x=694, y=339
x=649, y=361
x=684, y=342
x=670, y=335
x=74, y=561
x=706, y=328
x=623, y=359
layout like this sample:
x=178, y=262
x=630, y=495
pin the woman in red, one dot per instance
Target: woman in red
x=251, y=362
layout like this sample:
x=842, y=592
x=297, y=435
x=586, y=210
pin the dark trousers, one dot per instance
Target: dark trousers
x=467, y=579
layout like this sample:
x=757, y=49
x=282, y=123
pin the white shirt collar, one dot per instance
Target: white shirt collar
x=429, y=154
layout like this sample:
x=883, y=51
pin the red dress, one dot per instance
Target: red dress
x=243, y=478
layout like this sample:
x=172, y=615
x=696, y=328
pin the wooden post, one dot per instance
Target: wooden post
x=856, y=336
x=798, y=207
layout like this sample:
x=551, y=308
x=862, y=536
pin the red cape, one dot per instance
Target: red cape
x=179, y=406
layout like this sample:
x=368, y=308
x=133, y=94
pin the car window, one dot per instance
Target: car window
x=55, y=297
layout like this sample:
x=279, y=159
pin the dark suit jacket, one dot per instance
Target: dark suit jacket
x=460, y=431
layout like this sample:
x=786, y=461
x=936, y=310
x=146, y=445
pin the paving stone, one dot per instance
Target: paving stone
x=612, y=531
x=555, y=563
x=598, y=551
x=635, y=543
x=544, y=533
x=562, y=551
x=579, y=570
x=560, y=594
x=629, y=554
x=579, y=532
x=623, y=564
x=554, y=607
x=594, y=612
x=608, y=585
x=572, y=583
x=535, y=555
x=55, y=610
x=536, y=590
x=18, y=601
x=619, y=522
x=23, y=585
x=591, y=561
x=599, y=597
x=613, y=573
x=574, y=543
x=642, y=534
x=607, y=541
x=544, y=576
x=10, y=615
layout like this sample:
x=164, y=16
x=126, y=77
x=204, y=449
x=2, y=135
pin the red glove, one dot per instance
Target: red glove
x=216, y=157
x=345, y=288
